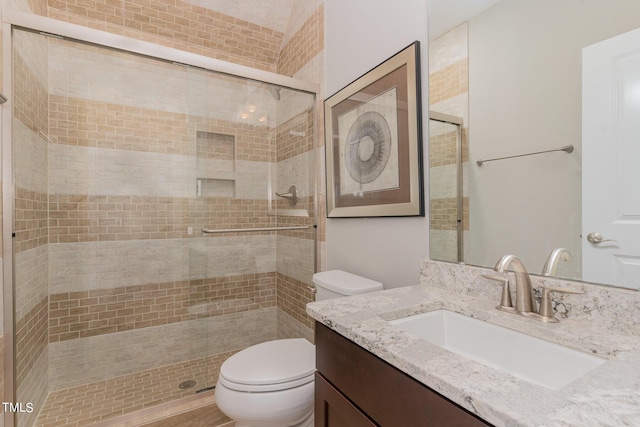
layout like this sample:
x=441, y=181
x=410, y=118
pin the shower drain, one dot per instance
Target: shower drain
x=185, y=385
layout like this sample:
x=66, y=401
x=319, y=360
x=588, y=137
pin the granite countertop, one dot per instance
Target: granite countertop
x=609, y=395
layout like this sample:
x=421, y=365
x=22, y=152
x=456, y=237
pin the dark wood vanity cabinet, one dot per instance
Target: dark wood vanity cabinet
x=355, y=388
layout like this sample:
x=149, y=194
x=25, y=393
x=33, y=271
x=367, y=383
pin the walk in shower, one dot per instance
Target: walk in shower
x=149, y=240
x=449, y=201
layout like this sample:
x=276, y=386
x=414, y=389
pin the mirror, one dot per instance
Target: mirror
x=512, y=72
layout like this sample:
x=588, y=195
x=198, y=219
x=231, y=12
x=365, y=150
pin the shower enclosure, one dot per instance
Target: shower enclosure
x=149, y=240
x=449, y=202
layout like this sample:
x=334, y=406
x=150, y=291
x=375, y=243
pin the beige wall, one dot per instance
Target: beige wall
x=384, y=249
x=525, y=87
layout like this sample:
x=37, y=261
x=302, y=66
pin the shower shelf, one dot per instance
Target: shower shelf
x=216, y=187
x=226, y=175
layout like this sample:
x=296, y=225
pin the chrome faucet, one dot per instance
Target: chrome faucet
x=525, y=302
x=551, y=265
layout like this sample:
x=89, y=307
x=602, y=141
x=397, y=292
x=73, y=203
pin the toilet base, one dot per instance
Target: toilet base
x=285, y=408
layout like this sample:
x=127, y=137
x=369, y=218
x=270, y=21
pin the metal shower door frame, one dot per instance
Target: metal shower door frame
x=27, y=21
x=456, y=121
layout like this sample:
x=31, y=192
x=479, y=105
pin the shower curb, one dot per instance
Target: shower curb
x=159, y=412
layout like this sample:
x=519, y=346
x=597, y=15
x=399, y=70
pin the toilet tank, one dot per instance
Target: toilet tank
x=338, y=283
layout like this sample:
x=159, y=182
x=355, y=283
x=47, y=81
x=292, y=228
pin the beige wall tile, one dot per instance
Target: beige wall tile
x=31, y=217
x=293, y=296
x=180, y=25
x=303, y=45
x=34, y=388
x=112, y=355
x=84, y=314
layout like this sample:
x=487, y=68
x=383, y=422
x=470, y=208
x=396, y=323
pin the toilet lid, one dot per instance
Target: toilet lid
x=271, y=362
x=345, y=283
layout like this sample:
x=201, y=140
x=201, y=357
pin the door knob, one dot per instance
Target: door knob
x=595, y=238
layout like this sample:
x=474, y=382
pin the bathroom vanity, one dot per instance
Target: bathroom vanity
x=355, y=388
x=372, y=373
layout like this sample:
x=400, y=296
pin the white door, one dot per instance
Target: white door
x=611, y=160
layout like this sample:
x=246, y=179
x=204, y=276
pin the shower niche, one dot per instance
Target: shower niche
x=215, y=164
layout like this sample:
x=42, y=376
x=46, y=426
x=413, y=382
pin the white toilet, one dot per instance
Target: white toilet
x=271, y=384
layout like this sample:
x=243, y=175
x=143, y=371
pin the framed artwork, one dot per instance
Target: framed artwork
x=373, y=142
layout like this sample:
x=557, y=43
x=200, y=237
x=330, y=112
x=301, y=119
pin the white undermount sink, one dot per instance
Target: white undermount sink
x=535, y=360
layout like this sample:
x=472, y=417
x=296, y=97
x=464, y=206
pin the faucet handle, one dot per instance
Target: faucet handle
x=546, y=309
x=505, y=300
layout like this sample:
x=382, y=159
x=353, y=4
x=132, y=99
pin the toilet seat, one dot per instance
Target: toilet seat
x=248, y=388
x=270, y=366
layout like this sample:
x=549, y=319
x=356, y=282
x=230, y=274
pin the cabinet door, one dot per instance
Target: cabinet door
x=332, y=409
x=386, y=395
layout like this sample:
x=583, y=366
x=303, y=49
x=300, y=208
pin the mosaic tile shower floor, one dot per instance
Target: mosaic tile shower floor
x=103, y=400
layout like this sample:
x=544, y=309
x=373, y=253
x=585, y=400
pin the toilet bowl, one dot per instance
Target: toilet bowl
x=268, y=384
x=271, y=384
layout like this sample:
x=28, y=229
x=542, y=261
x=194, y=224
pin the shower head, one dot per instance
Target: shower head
x=274, y=91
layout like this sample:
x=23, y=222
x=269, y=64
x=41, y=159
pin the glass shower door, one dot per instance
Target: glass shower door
x=117, y=169
x=252, y=214
x=30, y=222
x=448, y=213
x=232, y=286
x=101, y=213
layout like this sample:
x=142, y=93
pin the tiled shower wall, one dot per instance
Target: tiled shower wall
x=295, y=249
x=143, y=283
x=298, y=163
x=31, y=250
x=449, y=94
x=248, y=34
x=303, y=57
x=286, y=38
x=123, y=195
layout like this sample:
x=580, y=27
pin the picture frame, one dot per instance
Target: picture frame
x=373, y=142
